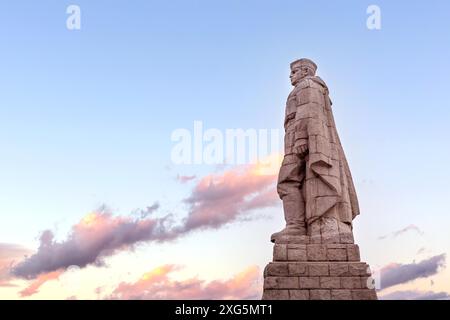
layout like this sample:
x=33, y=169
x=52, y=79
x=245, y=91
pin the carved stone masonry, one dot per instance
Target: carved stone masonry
x=314, y=256
x=305, y=271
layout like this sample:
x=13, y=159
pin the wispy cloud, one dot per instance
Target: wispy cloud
x=416, y=295
x=9, y=255
x=219, y=199
x=34, y=286
x=422, y=250
x=184, y=179
x=394, y=274
x=157, y=284
x=397, y=233
x=216, y=200
x=143, y=213
x=97, y=235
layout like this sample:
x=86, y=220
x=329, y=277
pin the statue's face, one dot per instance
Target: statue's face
x=297, y=74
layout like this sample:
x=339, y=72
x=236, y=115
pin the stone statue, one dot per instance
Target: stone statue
x=314, y=183
x=314, y=256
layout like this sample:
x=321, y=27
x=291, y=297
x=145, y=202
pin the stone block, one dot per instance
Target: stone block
x=280, y=252
x=339, y=269
x=296, y=254
x=309, y=282
x=316, y=252
x=364, y=294
x=337, y=254
x=281, y=283
x=314, y=233
x=329, y=226
x=318, y=269
x=330, y=282
x=276, y=269
x=351, y=282
x=320, y=294
x=341, y=294
x=337, y=246
x=367, y=283
x=299, y=294
x=358, y=269
x=353, y=253
x=345, y=233
x=297, y=269
x=346, y=238
x=316, y=239
x=291, y=239
x=275, y=295
x=296, y=246
x=270, y=283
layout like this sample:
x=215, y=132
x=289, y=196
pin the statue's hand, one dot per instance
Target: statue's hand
x=302, y=150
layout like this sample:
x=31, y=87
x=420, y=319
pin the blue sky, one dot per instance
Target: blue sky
x=86, y=115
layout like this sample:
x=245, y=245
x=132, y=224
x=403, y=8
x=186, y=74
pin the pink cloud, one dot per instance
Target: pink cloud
x=9, y=255
x=157, y=284
x=220, y=198
x=34, y=287
x=416, y=295
x=216, y=200
x=97, y=235
x=394, y=273
x=185, y=179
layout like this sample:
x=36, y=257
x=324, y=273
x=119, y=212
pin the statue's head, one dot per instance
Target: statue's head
x=302, y=68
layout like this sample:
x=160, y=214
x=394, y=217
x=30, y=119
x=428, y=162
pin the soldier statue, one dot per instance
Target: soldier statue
x=314, y=182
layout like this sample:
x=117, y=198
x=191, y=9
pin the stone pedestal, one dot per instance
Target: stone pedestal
x=302, y=270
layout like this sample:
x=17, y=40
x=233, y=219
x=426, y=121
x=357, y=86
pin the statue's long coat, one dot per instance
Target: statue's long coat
x=328, y=185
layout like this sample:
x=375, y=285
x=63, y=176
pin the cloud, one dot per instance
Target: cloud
x=416, y=295
x=7, y=283
x=216, y=200
x=143, y=213
x=397, y=233
x=219, y=199
x=10, y=254
x=421, y=251
x=395, y=274
x=97, y=235
x=184, y=179
x=157, y=284
x=38, y=282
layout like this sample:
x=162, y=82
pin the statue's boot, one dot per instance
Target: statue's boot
x=294, y=213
